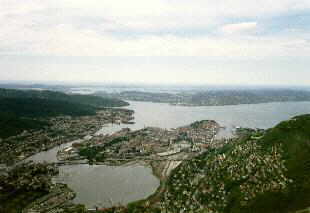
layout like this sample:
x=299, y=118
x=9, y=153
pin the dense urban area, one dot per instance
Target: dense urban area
x=160, y=148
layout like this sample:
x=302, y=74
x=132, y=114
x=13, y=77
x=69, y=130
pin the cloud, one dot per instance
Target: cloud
x=239, y=27
x=65, y=40
x=153, y=27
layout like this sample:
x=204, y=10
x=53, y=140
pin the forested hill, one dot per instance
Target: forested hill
x=91, y=100
x=20, y=109
x=267, y=173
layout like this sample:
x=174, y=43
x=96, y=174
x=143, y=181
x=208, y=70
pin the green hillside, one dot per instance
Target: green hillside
x=36, y=107
x=91, y=100
x=20, y=109
x=294, y=136
x=267, y=174
x=18, y=114
x=13, y=125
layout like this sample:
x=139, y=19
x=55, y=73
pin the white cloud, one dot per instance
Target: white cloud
x=139, y=27
x=206, y=8
x=67, y=40
x=239, y=27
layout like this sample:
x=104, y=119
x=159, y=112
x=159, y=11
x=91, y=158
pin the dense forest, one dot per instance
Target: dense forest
x=21, y=109
x=59, y=96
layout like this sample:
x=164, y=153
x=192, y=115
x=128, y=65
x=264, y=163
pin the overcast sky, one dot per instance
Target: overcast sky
x=156, y=41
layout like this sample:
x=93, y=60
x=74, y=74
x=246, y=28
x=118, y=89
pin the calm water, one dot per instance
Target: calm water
x=248, y=115
x=105, y=185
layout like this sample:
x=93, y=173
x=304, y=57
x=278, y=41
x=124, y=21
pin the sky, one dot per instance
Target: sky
x=262, y=42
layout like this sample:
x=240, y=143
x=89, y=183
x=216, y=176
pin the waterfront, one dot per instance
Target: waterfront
x=97, y=185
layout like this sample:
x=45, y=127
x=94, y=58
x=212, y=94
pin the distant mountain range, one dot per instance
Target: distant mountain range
x=214, y=97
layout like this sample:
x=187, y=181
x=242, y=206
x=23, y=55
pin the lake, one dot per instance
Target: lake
x=104, y=186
